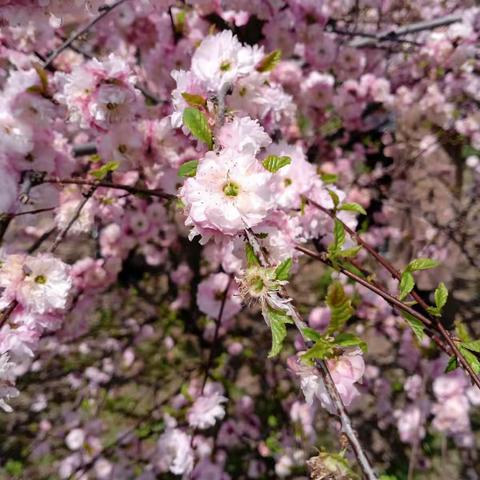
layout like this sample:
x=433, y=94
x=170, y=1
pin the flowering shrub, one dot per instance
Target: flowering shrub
x=239, y=239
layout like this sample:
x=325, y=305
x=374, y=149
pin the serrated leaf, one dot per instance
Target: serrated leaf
x=311, y=334
x=282, y=272
x=194, y=100
x=421, y=264
x=269, y=61
x=188, y=169
x=321, y=350
x=434, y=311
x=350, y=252
x=104, y=170
x=451, y=365
x=441, y=296
x=353, y=207
x=197, y=123
x=407, y=282
x=338, y=238
x=274, y=163
x=473, y=345
x=471, y=358
x=277, y=321
x=335, y=198
x=252, y=259
x=462, y=332
x=416, y=325
x=339, y=305
x=350, y=340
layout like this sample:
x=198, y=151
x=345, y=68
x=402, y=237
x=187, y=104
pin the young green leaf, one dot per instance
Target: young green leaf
x=350, y=340
x=329, y=177
x=462, y=332
x=407, y=282
x=321, y=350
x=335, y=198
x=415, y=324
x=473, y=345
x=269, y=61
x=197, y=123
x=471, y=358
x=353, y=207
x=350, y=252
x=277, y=320
x=252, y=259
x=340, y=307
x=451, y=365
x=338, y=238
x=188, y=169
x=441, y=296
x=104, y=170
x=282, y=272
x=194, y=100
x=421, y=264
x=311, y=334
x=273, y=163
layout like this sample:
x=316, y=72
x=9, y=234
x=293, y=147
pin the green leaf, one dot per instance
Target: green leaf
x=407, y=282
x=277, y=320
x=473, y=345
x=334, y=197
x=321, y=350
x=452, y=364
x=252, y=259
x=273, y=163
x=353, y=207
x=421, y=264
x=416, y=325
x=197, y=123
x=269, y=61
x=282, y=272
x=471, y=358
x=338, y=238
x=188, y=169
x=350, y=252
x=329, y=177
x=311, y=334
x=340, y=307
x=441, y=296
x=462, y=332
x=350, y=340
x=104, y=170
x=194, y=100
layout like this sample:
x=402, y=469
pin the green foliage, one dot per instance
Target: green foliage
x=197, y=124
x=282, y=272
x=338, y=239
x=441, y=296
x=349, y=252
x=473, y=345
x=346, y=340
x=452, y=364
x=269, y=62
x=415, y=324
x=252, y=259
x=329, y=177
x=188, y=169
x=471, y=358
x=335, y=198
x=407, y=283
x=421, y=264
x=14, y=468
x=340, y=307
x=104, y=170
x=194, y=100
x=353, y=207
x=277, y=320
x=273, y=163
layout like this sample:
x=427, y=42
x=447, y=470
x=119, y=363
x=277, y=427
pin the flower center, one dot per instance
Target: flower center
x=225, y=66
x=257, y=284
x=231, y=189
x=112, y=105
x=122, y=148
x=41, y=279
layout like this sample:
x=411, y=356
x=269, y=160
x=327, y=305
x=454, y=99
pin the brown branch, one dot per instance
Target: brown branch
x=396, y=274
x=78, y=33
x=115, y=186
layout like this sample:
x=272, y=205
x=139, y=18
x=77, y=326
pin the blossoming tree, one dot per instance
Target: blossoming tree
x=239, y=239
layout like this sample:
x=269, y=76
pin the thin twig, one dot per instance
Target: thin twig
x=78, y=33
x=115, y=186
